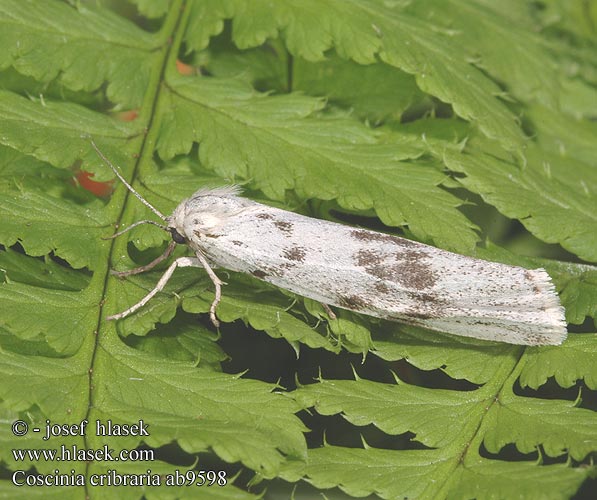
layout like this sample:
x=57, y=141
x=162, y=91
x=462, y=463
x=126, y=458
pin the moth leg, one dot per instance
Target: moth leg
x=218, y=285
x=328, y=310
x=180, y=262
x=149, y=266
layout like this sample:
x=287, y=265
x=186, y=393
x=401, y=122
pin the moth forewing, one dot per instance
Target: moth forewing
x=374, y=273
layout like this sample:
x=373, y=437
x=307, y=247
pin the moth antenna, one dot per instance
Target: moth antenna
x=119, y=233
x=129, y=187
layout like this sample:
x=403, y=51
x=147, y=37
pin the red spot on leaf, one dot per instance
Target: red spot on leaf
x=127, y=116
x=185, y=69
x=101, y=189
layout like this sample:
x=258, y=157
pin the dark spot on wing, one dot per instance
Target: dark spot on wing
x=364, y=235
x=420, y=315
x=534, y=338
x=411, y=307
x=428, y=305
x=267, y=271
x=413, y=271
x=285, y=227
x=415, y=317
x=238, y=243
x=352, y=302
x=206, y=235
x=296, y=254
x=367, y=258
x=427, y=298
x=381, y=287
x=529, y=276
x=408, y=268
x=258, y=273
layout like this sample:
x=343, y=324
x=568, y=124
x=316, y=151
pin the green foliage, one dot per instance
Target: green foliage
x=468, y=125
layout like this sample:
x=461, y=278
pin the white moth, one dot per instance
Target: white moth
x=364, y=271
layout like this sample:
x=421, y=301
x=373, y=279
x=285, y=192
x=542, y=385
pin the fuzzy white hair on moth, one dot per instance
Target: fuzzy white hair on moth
x=219, y=191
x=356, y=269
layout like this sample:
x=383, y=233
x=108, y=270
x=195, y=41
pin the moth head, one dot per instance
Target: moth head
x=176, y=224
x=204, y=212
